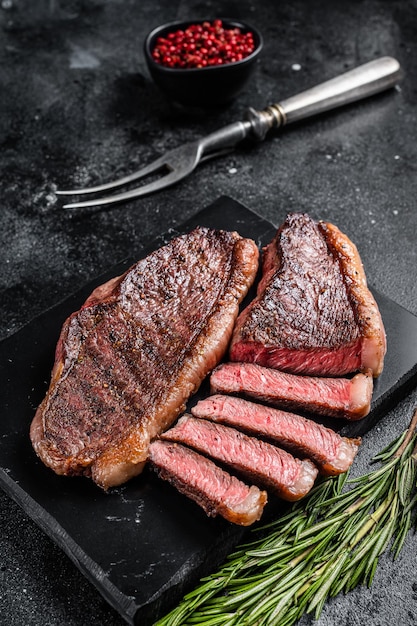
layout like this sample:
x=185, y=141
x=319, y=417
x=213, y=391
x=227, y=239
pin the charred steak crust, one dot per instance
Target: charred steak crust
x=367, y=314
x=313, y=312
x=142, y=343
x=211, y=487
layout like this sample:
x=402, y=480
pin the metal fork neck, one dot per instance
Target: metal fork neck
x=227, y=137
x=256, y=125
x=262, y=121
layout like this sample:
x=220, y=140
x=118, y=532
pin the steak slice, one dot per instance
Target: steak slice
x=348, y=398
x=313, y=312
x=332, y=453
x=265, y=464
x=142, y=343
x=215, y=490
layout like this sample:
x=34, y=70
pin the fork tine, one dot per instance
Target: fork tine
x=167, y=180
x=151, y=168
x=180, y=162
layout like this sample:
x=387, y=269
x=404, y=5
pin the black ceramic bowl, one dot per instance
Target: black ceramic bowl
x=202, y=87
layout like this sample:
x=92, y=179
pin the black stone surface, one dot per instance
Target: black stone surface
x=78, y=107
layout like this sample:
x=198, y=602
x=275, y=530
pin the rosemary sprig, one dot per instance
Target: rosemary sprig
x=327, y=543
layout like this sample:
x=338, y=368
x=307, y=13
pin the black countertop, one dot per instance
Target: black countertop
x=77, y=106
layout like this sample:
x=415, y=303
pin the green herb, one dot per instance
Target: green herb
x=326, y=544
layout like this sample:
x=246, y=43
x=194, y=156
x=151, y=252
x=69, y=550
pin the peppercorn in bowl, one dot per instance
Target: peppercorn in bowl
x=202, y=63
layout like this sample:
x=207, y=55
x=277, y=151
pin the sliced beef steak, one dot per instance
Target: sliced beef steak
x=214, y=489
x=313, y=313
x=332, y=453
x=141, y=344
x=265, y=464
x=348, y=398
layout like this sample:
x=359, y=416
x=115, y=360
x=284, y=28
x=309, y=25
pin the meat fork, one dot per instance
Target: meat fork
x=361, y=82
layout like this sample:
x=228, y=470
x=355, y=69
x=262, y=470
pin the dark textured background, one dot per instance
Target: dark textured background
x=77, y=106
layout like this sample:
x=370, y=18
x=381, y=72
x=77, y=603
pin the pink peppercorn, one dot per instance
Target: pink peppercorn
x=203, y=45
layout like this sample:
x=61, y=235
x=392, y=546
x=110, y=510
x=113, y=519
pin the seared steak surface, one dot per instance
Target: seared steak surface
x=313, y=313
x=142, y=343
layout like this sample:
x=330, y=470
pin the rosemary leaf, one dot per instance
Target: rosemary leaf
x=389, y=450
x=406, y=480
x=404, y=525
x=220, y=620
x=323, y=589
x=384, y=536
x=354, y=578
x=372, y=572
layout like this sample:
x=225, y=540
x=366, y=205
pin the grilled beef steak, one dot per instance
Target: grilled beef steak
x=265, y=464
x=313, y=313
x=141, y=344
x=348, y=398
x=214, y=489
x=332, y=453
